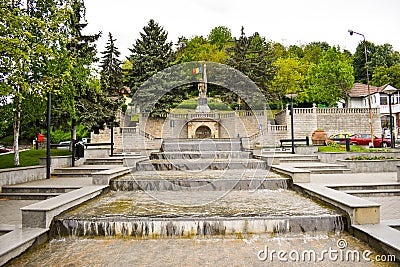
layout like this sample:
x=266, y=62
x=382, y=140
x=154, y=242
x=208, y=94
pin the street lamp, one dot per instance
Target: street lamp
x=291, y=96
x=390, y=90
x=369, y=93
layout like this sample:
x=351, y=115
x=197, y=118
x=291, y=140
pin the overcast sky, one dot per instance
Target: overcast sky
x=285, y=21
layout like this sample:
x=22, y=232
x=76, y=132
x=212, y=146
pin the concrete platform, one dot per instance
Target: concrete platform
x=360, y=211
x=16, y=242
x=40, y=215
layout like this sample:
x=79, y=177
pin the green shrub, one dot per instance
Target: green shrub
x=7, y=141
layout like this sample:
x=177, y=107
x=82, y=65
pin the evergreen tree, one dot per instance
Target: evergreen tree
x=111, y=71
x=254, y=57
x=150, y=54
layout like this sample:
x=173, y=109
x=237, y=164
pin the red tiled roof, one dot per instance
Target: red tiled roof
x=361, y=90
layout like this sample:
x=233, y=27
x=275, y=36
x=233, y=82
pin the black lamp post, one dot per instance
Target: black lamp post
x=291, y=96
x=48, y=159
x=389, y=90
x=369, y=93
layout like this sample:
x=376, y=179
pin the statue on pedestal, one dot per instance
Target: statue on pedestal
x=202, y=106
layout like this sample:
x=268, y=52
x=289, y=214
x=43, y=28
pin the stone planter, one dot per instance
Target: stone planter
x=367, y=166
x=319, y=137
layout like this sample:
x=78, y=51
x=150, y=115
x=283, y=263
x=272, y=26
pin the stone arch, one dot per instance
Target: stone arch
x=203, y=131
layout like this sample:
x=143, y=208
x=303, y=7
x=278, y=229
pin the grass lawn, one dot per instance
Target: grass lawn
x=342, y=148
x=29, y=157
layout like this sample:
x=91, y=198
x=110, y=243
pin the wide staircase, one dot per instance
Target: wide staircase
x=68, y=179
x=306, y=162
x=199, y=187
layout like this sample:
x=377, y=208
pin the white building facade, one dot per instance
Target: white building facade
x=358, y=98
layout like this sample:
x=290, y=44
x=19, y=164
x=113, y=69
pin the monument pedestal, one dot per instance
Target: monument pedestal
x=202, y=106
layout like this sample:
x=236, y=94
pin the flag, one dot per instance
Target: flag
x=197, y=70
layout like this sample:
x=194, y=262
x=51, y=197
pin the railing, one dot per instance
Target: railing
x=214, y=116
x=385, y=109
x=331, y=111
x=346, y=110
x=147, y=135
x=178, y=116
x=249, y=113
x=303, y=110
x=277, y=128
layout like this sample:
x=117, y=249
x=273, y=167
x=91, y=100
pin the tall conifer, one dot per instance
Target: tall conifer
x=111, y=72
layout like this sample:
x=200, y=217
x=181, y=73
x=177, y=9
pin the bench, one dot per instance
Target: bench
x=297, y=142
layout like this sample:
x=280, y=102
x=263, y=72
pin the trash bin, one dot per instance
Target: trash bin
x=79, y=151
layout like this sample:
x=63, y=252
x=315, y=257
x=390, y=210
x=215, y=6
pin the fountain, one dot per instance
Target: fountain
x=196, y=201
x=199, y=187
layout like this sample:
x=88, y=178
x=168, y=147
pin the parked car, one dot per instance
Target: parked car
x=64, y=145
x=340, y=138
x=365, y=139
x=4, y=149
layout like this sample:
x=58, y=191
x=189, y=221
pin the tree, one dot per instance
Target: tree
x=150, y=54
x=34, y=59
x=330, y=80
x=387, y=75
x=254, y=57
x=314, y=51
x=289, y=78
x=220, y=36
x=199, y=49
x=111, y=71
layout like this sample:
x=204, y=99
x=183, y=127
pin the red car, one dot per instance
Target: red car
x=365, y=139
x=4, y=149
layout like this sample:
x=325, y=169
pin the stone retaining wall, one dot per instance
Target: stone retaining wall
x=332, y=157
x=21, y=175
x=367, y=166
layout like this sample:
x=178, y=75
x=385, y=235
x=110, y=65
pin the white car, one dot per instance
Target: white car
x=64, y=145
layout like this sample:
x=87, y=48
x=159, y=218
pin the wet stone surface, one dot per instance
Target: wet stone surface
x=215, y=251
x=192, y=204
x=202, y=174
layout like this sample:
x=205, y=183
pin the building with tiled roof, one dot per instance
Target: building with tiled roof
x=358, y=98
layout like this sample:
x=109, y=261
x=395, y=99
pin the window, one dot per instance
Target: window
x=384, y=100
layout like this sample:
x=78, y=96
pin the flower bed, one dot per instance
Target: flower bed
x=370, y=158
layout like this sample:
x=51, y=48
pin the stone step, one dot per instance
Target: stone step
x=201, y=155
x=329, y=170
x=126, y=154
x=184, y=213
x=315, y=165
x=299, y=160
x=165, y=165
x=373, y=193
x=28, y=196
x=366, y=186
x=105, y=161
x=18, y=241
x=81, y=171
x=37, y=189
x=201, y=145
x=198, y=185
x=70, y=175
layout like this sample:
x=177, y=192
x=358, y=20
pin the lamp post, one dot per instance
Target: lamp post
x=369, y=93
x=389, y=90
x=291, y=96
x=48, y=159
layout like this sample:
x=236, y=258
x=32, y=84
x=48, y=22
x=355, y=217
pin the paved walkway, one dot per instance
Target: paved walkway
x=174, y=252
